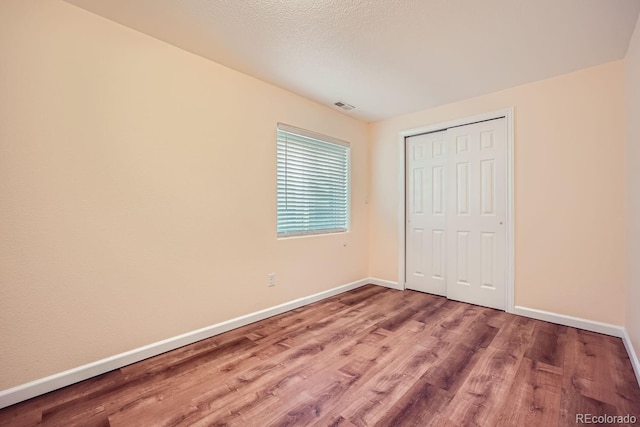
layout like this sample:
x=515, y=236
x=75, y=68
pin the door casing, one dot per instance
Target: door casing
x=508, y=114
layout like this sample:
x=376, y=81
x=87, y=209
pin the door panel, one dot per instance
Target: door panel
x=426, y=205
x=480, y=192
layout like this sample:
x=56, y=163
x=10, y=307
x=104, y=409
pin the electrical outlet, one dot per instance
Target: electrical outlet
x=272, y=279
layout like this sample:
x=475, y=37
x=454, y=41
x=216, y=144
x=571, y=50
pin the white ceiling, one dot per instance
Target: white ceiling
x=388, y=57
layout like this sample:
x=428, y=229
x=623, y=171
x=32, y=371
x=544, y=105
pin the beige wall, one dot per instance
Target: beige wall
x=569, y=190
x=632, y=82
x=137, y=191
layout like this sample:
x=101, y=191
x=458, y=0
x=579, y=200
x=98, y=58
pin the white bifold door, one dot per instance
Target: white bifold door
x=456, y=212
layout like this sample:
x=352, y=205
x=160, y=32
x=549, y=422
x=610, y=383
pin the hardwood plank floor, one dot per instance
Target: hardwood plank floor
x=369, y=357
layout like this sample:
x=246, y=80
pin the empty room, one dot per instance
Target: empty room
x=319, y=212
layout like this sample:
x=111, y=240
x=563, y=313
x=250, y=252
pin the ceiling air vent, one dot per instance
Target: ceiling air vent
x=344, y=105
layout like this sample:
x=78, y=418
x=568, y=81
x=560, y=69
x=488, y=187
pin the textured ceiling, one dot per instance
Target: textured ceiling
x=388, y=57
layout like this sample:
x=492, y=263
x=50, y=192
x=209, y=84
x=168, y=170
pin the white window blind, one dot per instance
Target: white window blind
x=313, y=182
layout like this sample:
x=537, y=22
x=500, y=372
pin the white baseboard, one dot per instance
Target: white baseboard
x=44, y=385
x=633, y=356
x=385, y=283
x=575, y=322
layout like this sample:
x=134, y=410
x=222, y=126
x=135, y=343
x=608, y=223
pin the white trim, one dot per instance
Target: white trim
x=311, y=134
x=385, y=283
x=508, y=114
x=633, y=356
x=44, y=385
x=402, y=203
x=575, y=322
x=511, y=222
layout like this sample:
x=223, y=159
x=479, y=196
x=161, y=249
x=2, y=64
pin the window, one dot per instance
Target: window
x=313, y=183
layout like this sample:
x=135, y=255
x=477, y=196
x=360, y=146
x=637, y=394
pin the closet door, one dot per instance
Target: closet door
x=476, y=242
x=426, y=213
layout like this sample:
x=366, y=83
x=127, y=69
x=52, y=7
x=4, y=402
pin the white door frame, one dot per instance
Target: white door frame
x=510, y=223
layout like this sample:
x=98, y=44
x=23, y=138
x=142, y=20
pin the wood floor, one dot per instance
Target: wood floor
x=372, y=356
